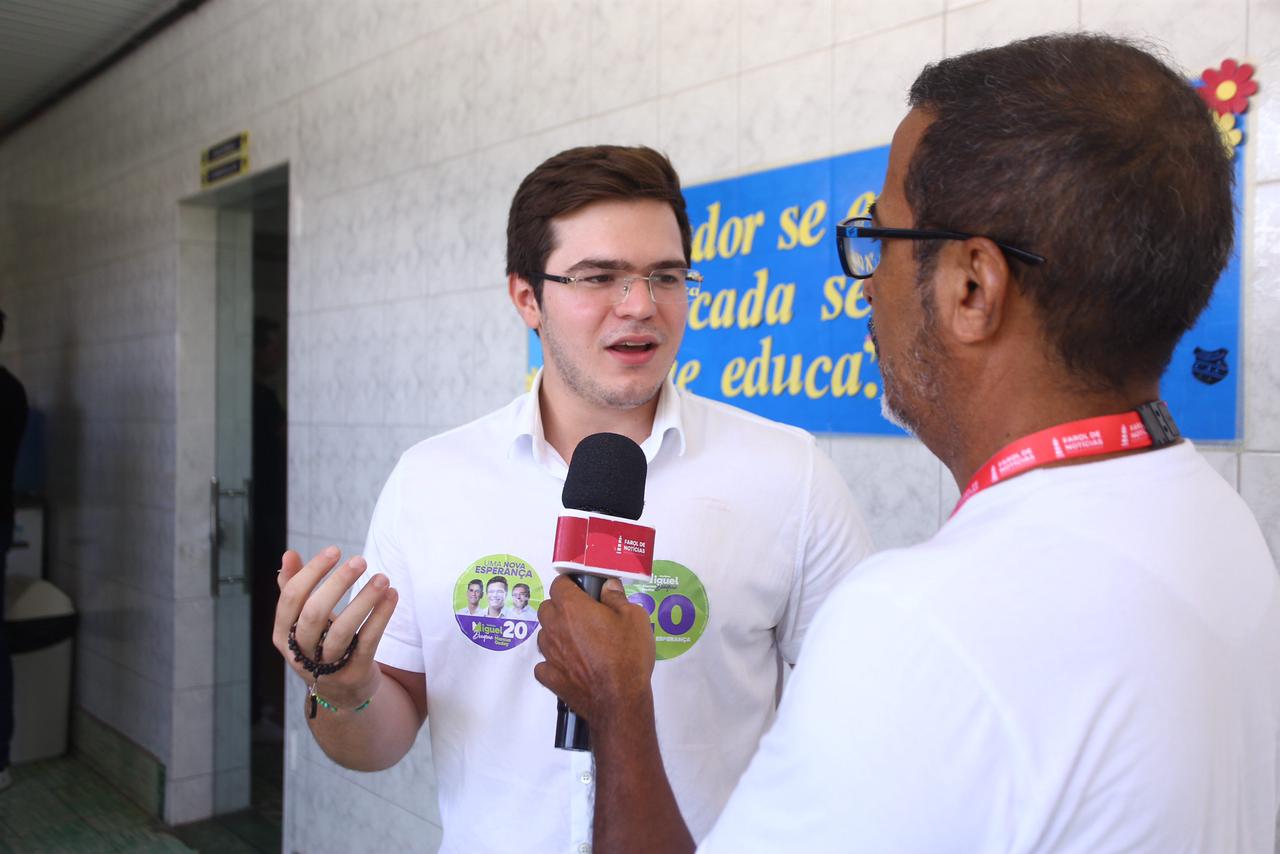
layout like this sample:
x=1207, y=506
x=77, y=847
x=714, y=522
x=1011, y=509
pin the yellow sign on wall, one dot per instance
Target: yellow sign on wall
x=225, y=159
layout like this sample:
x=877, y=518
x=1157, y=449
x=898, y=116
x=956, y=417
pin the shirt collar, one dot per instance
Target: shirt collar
x=669, y=418
x=527, y=432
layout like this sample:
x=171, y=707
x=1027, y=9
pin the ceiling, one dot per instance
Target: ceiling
x=49, y=47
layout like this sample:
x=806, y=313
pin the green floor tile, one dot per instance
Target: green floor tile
x=213, y=836
x=62, y=806
x=169, y=845
x=144, y=840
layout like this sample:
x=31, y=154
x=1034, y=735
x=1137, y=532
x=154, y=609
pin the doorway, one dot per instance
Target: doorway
x=246, y=484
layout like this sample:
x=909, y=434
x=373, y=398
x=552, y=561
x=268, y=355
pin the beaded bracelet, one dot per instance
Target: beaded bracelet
x=318, y=667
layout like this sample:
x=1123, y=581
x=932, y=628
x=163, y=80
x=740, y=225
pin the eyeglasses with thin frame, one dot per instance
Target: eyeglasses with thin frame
x=858, y=244
x=667, y=285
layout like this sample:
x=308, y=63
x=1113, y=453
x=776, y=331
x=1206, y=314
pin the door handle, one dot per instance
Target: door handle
x=216, y=494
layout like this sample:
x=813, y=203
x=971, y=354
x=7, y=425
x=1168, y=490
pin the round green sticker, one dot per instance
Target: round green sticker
x=496, y=601
x=677, y=606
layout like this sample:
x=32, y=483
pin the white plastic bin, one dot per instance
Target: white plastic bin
x=40, y=621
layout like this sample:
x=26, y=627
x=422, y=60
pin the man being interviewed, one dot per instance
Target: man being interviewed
x=755, y=527
x=1084, y=657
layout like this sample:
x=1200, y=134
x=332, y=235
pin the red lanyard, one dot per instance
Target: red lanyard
x=1088, y=437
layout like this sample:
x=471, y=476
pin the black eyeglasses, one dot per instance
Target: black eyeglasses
x=858, y=244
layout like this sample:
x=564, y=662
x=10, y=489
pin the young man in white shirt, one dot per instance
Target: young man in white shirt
x=598, y=248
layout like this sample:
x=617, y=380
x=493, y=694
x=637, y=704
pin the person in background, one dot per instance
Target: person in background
x=270, y=473
x=13, y=423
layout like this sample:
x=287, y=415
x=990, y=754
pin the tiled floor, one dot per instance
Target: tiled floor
x=252, y=831
x=63, y=805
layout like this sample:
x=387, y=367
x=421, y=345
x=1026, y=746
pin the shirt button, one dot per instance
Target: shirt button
x=584, y=848
x=585, y=777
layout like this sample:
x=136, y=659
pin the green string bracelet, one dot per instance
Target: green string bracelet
x=315, y=700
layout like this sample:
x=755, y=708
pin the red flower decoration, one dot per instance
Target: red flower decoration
x=1227, y=89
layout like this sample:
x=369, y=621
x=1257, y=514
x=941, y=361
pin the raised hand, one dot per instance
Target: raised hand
x=306, y=606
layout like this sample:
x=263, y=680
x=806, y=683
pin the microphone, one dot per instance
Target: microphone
x=596, y=538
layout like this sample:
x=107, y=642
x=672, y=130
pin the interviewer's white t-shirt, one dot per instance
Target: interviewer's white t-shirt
x=1083, y=659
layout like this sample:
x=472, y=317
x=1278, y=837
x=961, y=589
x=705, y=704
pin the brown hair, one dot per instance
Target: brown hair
x=578, y=177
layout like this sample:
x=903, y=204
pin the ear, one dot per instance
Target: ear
x=973, y=288
x=523, y=298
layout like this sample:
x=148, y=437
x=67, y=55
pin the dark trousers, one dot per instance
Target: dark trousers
x=6, y=664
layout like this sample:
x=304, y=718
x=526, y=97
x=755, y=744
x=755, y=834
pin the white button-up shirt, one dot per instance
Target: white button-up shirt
x=751, y=518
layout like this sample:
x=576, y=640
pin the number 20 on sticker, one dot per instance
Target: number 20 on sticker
x=677, y=605
x=517, y=629
x=676, y=615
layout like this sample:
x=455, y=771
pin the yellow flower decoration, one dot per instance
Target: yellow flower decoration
x=1231, y=134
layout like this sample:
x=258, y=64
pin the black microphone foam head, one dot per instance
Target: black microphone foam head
x=606, y=475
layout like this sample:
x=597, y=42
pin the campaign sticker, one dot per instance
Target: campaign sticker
x=496, y=601
x=677, y=606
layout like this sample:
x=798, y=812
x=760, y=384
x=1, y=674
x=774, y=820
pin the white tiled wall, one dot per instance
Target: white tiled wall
x=871, y=77
x=407, y=125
